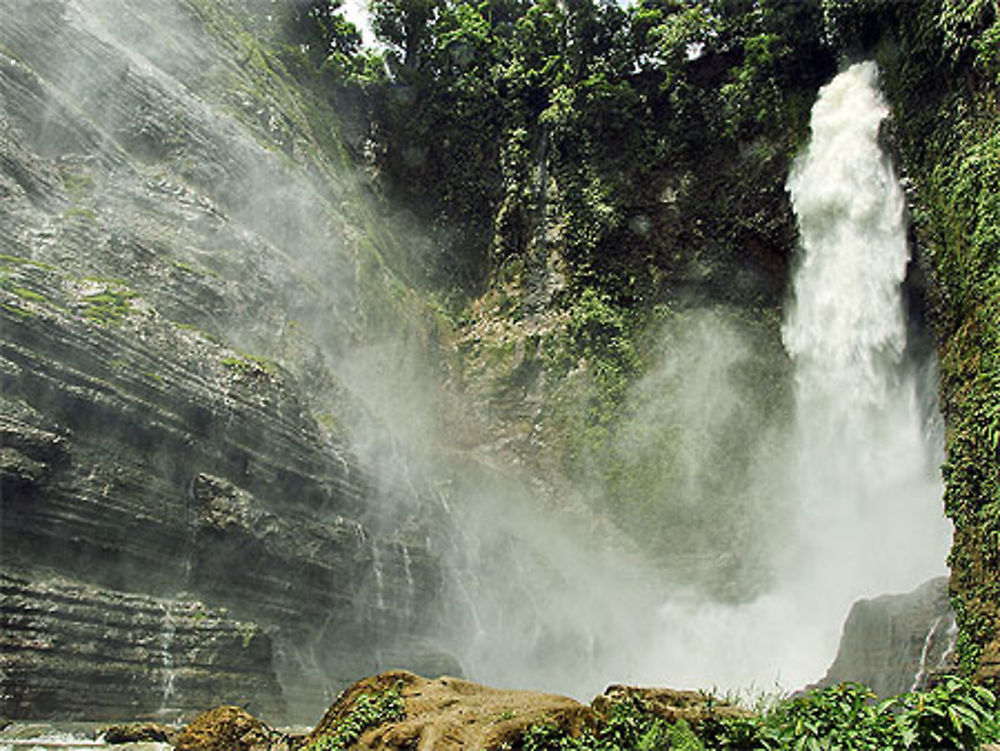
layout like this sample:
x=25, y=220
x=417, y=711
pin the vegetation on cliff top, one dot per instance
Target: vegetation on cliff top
x=492, y=119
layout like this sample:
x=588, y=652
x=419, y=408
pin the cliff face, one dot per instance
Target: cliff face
x=153, y=229
x=897, y=643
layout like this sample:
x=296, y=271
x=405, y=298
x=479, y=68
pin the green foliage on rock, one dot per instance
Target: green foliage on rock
x=601, y=335
x=956, y=714
x=629, y=726
x=511, y=126
x=250, y=365
x=108, y=307
x=368, y=711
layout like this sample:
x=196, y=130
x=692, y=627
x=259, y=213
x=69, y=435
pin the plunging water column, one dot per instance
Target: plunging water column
x=854, y=505
x=866, y=475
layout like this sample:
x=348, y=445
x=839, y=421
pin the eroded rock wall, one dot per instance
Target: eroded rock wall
x=171, y=231
x=897, y=643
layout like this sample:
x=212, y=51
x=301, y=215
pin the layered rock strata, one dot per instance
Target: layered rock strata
x=165, y=212
x=73, y=652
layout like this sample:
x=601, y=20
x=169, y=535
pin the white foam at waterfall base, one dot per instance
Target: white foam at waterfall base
x=860, y=472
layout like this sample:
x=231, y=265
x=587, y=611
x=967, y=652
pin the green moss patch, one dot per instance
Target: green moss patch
x=108, y=307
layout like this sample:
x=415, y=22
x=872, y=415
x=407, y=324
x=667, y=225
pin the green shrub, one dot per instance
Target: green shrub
x=955, y=714
x=630, y=726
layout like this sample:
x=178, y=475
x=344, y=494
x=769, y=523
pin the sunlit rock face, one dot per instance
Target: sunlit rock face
x=154, y=230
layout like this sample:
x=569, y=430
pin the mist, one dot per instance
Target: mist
x=782, y=485
x=781, y=470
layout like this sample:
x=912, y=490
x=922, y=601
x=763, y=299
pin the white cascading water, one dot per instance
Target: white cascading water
x=860, y=473
x=867, y=478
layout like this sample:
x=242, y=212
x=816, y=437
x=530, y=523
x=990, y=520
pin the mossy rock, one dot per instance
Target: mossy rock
x=224, y=729
x=138, y=732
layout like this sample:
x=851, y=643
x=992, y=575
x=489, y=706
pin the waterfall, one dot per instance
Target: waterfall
x=865, y=479
x=168, y=671
x=858, y=477
x=943, y=627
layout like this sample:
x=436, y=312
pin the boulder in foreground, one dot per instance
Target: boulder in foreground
x=442, y=714
x=224, y=729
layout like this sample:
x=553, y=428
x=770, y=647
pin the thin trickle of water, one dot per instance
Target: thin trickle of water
x=190, y=532
x=411, y=587
x=940, y=639
x=379, y=578
x=948, y=653
x=922, y=667
x=168, y=671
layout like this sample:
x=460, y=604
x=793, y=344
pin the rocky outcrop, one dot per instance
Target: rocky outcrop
x=449, y=713
x=400, y=710
x=75, y=652
x=897, y=643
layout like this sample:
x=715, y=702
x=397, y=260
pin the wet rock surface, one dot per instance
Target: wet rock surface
x=897, y=643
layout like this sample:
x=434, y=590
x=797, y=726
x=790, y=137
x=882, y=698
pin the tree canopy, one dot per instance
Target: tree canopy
x=475, y=105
